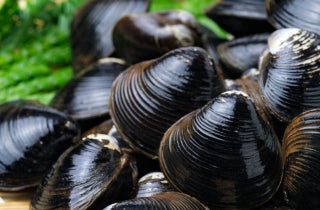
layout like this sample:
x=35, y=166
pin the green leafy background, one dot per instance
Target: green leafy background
x=35, y=56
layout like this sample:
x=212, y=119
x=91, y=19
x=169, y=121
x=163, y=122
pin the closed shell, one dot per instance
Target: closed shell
x=86, y=96
x=92, y=174
x=92, y=25
x=289, y=73
x=150, y=96
x=224, y=154
x=168, y=200
x=240, y=17
x=294, y=13
x=301, y=155
x=140, y=37
x=32, y=137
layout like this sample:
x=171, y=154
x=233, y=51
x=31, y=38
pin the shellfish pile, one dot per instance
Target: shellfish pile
x=202, y=123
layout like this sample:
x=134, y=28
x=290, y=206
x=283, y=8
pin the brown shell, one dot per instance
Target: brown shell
x=301, y=155
x=140, y=37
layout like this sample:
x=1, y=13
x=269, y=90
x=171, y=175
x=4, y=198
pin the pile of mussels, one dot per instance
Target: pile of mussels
x=196, y=122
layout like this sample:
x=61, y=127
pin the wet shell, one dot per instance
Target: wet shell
x=289, y=73
x=86, y=96
x=92, y=25
x=32, y=137
x=248, y=84
x=294, y=13
x=92, y=174
x=168, y=200
x=301, y=155
x=151, y=184
x=144, y=164
x=150, y=96
x=239, y=55
x=145, y=36
x=240, y=17
x=224, y=154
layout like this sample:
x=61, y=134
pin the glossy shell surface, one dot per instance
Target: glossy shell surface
x=32, y=137
x=242, y=54
x=145, y=36
x=86, y=96
x=92, y=174
x=240, y=17
x=151, y=184
x=168, y=200
x=301, y=155
x=289, y=73
x=224, y=154
x=92, y=25
x=150, y=96
x=294, y=13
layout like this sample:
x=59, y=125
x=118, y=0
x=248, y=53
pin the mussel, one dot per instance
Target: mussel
x=92, y=25
x=168, y=200
x=224, y=154
x=150, y=96
x=301, y=156
x=145, y=36
x=240, y=17
x=294, y=13
x=86, y=96
x=90, y=175
x=144, y=164
x=32, y=137
x=151, y=184
x=242, y=54
x=289, y=73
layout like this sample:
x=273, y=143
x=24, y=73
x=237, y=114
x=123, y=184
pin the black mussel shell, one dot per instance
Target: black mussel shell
x=86, y=96
x=294, y=13
x=223, y=154
x=240, y=17
x=248, y=83
x=210, y=43
x=144, y=163
x=168, y=200
x=92, y=25
x=32, y=137
x=289, y=73
x=102, y=128
x=149, y=97
x=145, y=36
x=239, y=55
x=90, y=175
x=301, y=156
x=151, y=184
